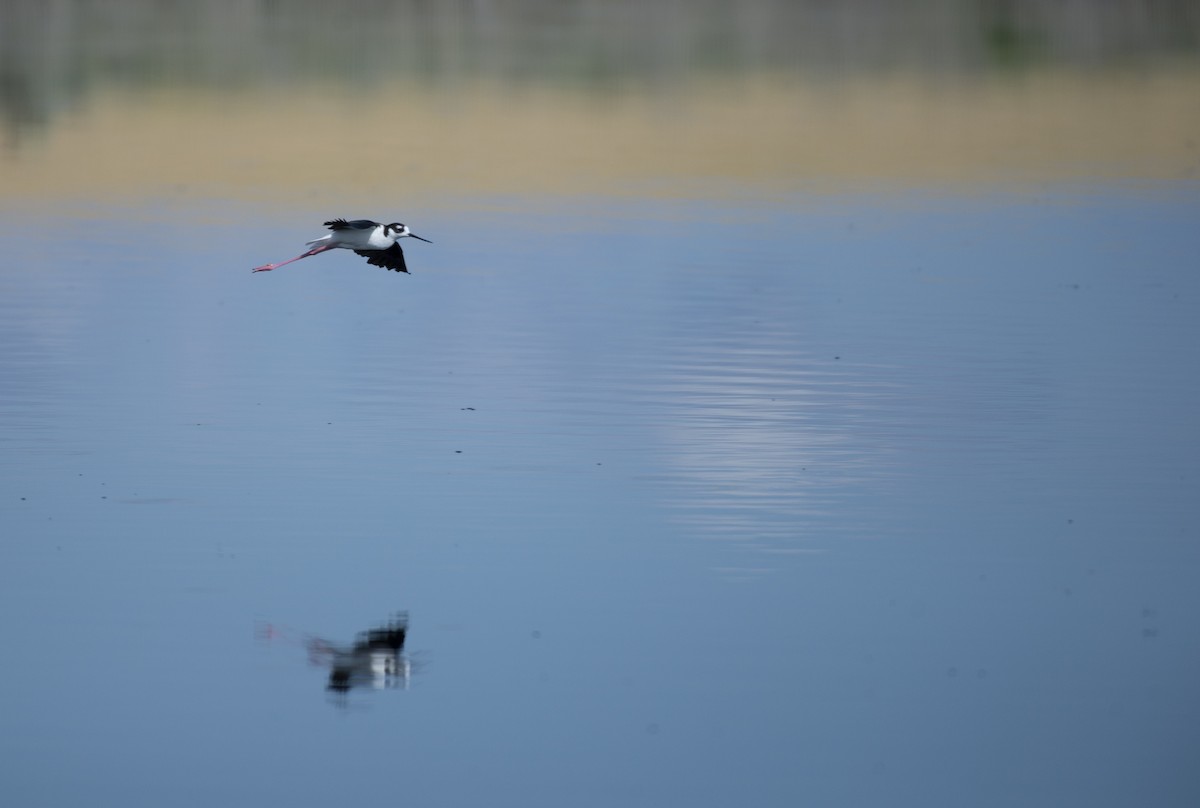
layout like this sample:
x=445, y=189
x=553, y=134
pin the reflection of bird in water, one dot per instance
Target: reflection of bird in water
x=375, y=660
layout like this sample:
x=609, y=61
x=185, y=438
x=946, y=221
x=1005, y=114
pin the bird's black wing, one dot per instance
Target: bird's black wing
x=391, y=258
x=356, y=224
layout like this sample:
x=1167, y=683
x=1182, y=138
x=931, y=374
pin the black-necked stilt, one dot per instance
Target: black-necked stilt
x=378, y=243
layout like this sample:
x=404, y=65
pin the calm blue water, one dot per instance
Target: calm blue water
x=847, y=500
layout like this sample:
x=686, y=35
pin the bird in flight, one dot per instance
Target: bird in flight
x=378, y=243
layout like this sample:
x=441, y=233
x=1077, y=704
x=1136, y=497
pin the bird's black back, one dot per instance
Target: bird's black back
x=354, y=224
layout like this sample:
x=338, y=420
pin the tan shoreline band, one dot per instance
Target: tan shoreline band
x=485, y=138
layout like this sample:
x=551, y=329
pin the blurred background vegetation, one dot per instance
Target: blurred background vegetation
x=995, y=81
x=54, y=52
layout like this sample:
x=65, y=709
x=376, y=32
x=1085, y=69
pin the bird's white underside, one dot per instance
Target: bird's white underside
x=372, y=239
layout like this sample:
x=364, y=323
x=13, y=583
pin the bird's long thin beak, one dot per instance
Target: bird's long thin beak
x=414, y=235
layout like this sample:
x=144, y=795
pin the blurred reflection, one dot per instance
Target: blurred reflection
x=375, y=660
x=767, y=441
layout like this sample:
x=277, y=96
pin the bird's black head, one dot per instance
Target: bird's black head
x=401, y=231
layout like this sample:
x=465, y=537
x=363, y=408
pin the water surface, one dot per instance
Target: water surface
x=701, y=483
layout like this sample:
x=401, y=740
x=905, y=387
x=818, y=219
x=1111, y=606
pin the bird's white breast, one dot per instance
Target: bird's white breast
x=377, y=240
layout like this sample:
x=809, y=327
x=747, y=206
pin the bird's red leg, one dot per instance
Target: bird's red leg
x=313, y=251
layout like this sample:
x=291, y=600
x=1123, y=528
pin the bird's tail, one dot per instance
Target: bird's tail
x=317, y=241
